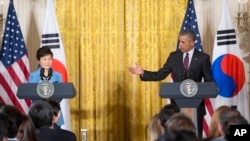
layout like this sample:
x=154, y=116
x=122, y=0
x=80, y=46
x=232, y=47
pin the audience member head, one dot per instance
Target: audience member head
x=181, y=135
x=27, y=130
x=213, y=129
x=154, y=129
x=225, y=116
x=166, y=112
x=41, y=113
x=234, y=120
x=56, y=110
x=1, y=104
x=3, y=127
x=180, y=122
x=15, y=119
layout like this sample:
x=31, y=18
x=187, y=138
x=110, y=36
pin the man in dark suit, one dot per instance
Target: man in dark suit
x=197, y=69
x=56, y=115
x=41, y=113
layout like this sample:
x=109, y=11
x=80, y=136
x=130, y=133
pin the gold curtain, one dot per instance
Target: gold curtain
x=102, y=38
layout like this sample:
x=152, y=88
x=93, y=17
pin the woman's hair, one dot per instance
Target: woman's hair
x=167, y=111
x=43, y=51
x=213, y=129
x=4, y=123
x=180, y=122
x=181, y=135
x=154, y=129
x=14, y=117
x=27, y=129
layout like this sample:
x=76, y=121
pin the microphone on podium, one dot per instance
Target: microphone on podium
x=43, y=77
x=42, y=73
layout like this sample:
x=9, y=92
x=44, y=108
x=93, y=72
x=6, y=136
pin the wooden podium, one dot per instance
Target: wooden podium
x=188, y=103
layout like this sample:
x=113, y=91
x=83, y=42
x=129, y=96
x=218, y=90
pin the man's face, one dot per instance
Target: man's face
x=185, y=44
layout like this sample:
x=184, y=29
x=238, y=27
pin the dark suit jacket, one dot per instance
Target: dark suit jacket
x=65, y=132
x=200, y=67
x=48, y=134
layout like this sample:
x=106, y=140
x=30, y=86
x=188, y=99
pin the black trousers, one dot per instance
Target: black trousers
x=199, y=116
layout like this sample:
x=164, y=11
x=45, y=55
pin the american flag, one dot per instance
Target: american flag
x=14, y=63
x=190, y=22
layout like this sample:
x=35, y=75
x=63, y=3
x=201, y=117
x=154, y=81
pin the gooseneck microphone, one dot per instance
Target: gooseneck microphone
x=43, y=77
x=192, y=74
x=50, y=73
x=184, y=73
x=188, y=74
x=42, y=73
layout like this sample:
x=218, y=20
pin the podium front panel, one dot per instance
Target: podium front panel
x=172, y=90
x=62, y=90
x=188, y=103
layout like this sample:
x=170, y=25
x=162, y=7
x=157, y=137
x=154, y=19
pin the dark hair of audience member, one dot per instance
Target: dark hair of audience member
x=180, y=122
x=228, y=113
x=234, y=120
x=55, y=106
x=15, y=119
x=167, y=111
x=1, y=104
x=27, y=129
x=3, y=126
x=181, y=135
x=56, y=112
x=41, y=114
x=224, y=118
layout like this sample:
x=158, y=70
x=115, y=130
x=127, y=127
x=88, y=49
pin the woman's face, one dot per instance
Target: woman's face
x=46, y=61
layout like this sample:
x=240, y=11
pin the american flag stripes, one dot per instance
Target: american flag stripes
x=14, y=62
